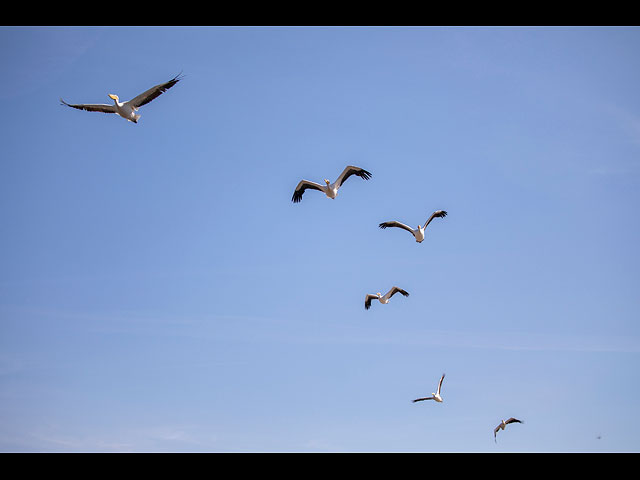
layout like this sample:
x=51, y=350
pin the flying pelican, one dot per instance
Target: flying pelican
x=330, y=189
x=418, y=232
x=503, y=424
x=127, y=110
x=434, y=396
x=383, y=298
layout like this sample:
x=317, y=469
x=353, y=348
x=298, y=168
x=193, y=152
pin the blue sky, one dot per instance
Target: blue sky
x=159, y=291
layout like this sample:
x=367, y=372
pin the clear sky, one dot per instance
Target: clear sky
x=159, y=291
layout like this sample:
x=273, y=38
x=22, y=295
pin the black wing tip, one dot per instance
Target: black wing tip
x=297, y=196
x=359, y=171
x=383, y=225
x=172, y=82
x=367, y=302
x=402, y=291
x=364, y=174
x=442, y=213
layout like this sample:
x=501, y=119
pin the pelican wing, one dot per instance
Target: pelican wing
x=302, y=186
x=153, y=92
x=395, y=290
x=439, y=214
x=440, y=383
x=512, y=420
x=92, y=107
x=495, y=431
x=367, y=300
x=396, y=224
x=351, y=170
x=421, y=399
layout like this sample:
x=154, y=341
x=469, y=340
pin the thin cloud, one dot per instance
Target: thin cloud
x=523, y=341
x=627, y=121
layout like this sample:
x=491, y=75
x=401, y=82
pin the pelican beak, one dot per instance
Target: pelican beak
x=113, y=97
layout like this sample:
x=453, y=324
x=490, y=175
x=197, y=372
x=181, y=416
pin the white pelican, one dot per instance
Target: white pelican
x=434, y=396
x=383, y=298
x=418, y=232
x=503, y=424
x=127, y=110
x=330, y=189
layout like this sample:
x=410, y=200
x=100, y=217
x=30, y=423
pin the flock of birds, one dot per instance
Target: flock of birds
x=128, y=110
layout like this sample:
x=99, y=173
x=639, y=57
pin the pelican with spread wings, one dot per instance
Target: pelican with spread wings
x=503, y=424
x=434, y=396
x=418, y=233
x=127, y=110
x=384, y=299
x=330, y=189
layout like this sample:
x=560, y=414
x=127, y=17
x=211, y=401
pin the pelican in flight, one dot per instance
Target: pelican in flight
x=330, y=189
x=127, y=110
x=383, y=298
x=419, y=231
x=434, y=396
x=503, y=424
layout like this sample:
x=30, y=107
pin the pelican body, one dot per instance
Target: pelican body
x=127, y=110
x=329, y=189
x=418, y=232
x=384, y=299
x=434, y=396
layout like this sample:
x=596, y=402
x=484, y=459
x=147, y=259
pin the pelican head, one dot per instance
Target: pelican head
x=327, y=181
x=113, y=97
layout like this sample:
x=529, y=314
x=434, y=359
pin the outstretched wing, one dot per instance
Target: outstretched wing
x=302, y=186
x=513, y=420
x=440, y=383
x=92, y=107
x=421, y=399
x=396, y=224
x=367, y=301
x=395, y=290
x=351, y=170
x=438, y=213
x=153, y=92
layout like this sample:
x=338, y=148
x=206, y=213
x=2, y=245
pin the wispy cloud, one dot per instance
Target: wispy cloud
x=55, y=441
x=524, y=341
x=628, y=121
x=161, y=438
x=262, y=328
x=615, y=169
x=628, y=124
x=38, y=55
